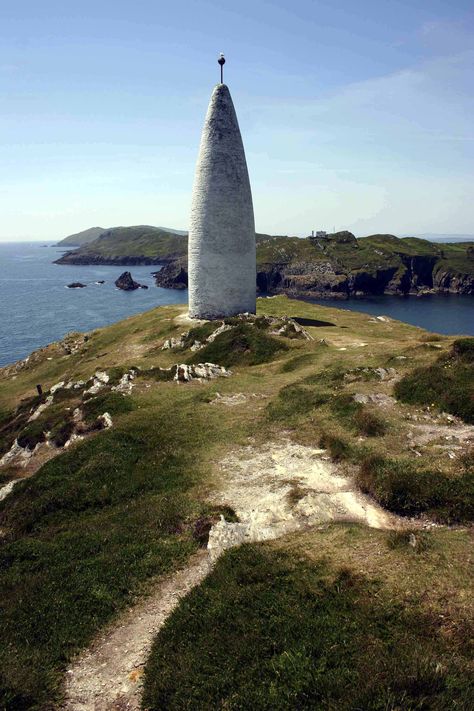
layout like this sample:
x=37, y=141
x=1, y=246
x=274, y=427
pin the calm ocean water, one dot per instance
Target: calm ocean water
x=36, y=308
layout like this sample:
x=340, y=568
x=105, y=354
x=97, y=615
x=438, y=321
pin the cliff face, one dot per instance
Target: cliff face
x=339, y=266
x=417, y=276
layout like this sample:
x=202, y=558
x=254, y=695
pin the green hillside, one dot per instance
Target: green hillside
x=80, y=238
x=140, y=244
x=333, y=615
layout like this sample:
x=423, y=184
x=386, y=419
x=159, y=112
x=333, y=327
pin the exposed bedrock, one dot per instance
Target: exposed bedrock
x=126, y=283
x=323, y=279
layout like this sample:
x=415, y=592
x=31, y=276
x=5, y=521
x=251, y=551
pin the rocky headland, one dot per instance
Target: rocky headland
x=343, y=267
x=337, y=266
x=336, y=446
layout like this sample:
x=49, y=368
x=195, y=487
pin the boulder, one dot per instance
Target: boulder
x=126, y=283
x=76, y=285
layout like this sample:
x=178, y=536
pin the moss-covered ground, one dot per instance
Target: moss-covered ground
x=96, y=525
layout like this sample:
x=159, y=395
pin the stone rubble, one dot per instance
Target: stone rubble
x=171, y=343
x=379, y=399
x=41, y=408
x=126, y=383
x=201, y=371
x=100, y=379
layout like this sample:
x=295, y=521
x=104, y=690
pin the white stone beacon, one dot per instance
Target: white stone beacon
x=221, y=252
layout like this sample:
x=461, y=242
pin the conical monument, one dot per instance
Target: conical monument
x=222, y=262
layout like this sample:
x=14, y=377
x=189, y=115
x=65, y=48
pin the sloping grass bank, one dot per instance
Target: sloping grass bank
x=86, y=532
x=282, y=631
x=448, y=383
x=404, y=486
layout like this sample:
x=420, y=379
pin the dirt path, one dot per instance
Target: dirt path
x=275, y=489
x=108, y=675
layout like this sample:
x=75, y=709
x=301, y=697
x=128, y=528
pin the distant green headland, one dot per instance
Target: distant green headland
x=335, y=266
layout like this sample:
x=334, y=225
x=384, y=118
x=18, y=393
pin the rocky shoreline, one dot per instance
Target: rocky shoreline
x=321, y=281
x=336, y=267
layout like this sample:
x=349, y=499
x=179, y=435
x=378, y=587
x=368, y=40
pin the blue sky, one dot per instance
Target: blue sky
x=353, y=115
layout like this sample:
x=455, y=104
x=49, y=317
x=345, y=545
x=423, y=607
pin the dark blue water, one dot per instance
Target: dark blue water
x=452, y=315
x=36, y=308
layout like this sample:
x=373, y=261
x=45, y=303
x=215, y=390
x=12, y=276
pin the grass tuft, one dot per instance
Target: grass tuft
x=403, y=486
x=243, y=344
x=448, y=383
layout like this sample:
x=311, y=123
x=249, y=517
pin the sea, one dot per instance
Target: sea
x=36, y=307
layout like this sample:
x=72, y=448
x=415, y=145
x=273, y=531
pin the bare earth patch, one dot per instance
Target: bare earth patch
x=284, y=487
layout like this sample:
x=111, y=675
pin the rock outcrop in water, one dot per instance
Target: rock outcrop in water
x=126, y=283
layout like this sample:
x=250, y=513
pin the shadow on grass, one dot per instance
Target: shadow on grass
x=314, y=323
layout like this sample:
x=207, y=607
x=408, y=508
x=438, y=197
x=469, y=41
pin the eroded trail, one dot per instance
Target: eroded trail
x=276, y=489
x=108, y=675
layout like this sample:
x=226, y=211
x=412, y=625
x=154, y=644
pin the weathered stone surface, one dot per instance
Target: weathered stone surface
x=173, y=275
x=99, y=380
x=200, y=371
x=222, y=255
x=126, y=283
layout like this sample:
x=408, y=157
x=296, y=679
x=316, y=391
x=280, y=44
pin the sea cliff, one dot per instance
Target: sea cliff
x=337, y=266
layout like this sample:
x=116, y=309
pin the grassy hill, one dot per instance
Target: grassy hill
x=80, y=238
x=334, y=616
x=142, y=244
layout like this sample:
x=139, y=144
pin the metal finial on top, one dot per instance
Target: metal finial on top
x=221, y=61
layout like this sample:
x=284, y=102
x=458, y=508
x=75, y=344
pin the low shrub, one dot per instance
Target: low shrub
x=54, y=419
x=338, y=447
x=331, y=377
x=243, y=344
x=111, y=402
x=370, y=423
x=201, y=333
x=158, y=374
x=463, y=348
x=403, y=486
x=448, y=383
x=295, y=400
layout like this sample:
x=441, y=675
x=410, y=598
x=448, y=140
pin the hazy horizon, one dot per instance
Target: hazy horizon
x=353, y=116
